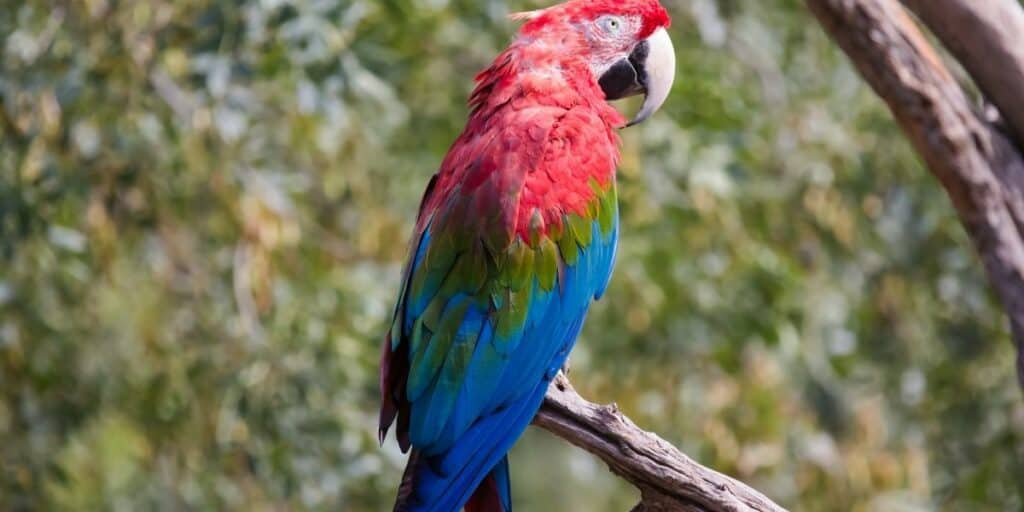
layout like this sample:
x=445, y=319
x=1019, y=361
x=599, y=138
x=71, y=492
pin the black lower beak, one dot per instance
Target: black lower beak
x=627, y=77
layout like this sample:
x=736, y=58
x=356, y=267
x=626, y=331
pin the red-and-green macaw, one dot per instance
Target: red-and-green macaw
x=516, y=236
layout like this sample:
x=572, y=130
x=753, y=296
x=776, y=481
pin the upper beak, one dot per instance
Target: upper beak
x=650, y=69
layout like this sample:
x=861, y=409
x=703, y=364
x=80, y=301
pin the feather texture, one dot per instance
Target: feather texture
x=515, y=238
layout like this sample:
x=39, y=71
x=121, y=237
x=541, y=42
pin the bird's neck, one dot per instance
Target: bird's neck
x=541, y=71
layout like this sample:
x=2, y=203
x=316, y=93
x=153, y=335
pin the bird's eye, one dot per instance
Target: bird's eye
x=610, y=24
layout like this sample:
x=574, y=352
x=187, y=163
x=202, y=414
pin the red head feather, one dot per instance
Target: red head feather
x=538, y=94
x=652, y=13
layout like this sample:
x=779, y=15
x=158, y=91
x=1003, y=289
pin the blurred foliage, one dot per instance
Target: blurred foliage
x=204, y=207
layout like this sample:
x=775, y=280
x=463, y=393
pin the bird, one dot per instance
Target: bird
x=515, y=238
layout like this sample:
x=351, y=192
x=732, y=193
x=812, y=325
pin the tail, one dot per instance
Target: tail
x=494, y=494
x=473, y=473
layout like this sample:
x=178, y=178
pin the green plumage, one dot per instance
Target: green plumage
x=462, y=281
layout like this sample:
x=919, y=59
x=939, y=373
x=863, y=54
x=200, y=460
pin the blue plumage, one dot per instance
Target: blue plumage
x=468, y=406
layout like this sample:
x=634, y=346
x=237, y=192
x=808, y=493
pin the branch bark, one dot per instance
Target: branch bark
x=977, y=165
x=984, y=37
x=988, y=39
x=668, y=480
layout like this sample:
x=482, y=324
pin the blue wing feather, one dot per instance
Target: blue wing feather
x=465, y=421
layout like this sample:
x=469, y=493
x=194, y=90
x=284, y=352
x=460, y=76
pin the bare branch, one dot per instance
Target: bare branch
x=986, y=37
x=668, y=480
x=975, y=163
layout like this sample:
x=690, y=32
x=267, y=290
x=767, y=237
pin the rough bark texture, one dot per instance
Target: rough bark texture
x=987, y=37
x=977, y=164
x=988, y=40
x=668, y=480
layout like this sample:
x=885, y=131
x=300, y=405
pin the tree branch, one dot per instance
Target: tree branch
x=668, y=480
x=986, y=38
x=977, y=165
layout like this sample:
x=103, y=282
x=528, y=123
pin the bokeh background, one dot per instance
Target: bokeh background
x=204, y=207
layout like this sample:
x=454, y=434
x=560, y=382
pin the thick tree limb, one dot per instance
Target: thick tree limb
x=978, y=166
x=988, y=40
x=668, y=480
x=987, y=37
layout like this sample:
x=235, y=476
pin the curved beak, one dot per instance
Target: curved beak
x=650, y=69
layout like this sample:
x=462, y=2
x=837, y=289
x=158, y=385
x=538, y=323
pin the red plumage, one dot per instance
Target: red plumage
x=651, y=12
x=539, y=150
x=485, y=498
x=519, y=103
x=516, y=157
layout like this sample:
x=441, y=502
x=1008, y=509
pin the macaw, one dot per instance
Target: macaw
x=516, y=235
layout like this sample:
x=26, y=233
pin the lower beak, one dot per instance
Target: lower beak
x=650, y=69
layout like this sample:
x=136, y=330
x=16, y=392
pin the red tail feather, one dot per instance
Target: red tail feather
x=486, y=497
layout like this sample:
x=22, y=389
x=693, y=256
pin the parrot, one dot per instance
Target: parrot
x=515, y=238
